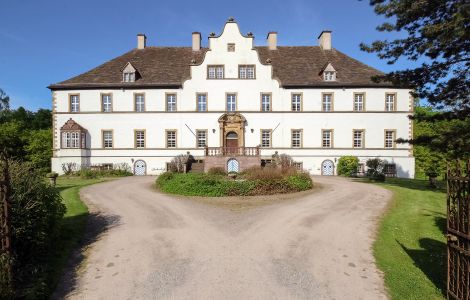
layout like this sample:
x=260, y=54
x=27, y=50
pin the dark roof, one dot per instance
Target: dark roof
x=296, y=66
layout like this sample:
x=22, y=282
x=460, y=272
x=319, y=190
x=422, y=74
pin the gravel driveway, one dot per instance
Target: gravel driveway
x=315, y=247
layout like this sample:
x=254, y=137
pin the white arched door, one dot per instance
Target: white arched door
x=232, y=165
x=140, y=168
x=327, y=168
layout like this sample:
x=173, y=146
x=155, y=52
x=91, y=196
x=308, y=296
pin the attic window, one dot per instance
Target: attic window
x=231, y=47
x=128, y=77
x=329, y=76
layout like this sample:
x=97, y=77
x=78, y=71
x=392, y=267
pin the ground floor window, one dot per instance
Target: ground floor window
x=265, y=138
x=201, y=136
x=171, y=138
x=140, y=139
x=390, y=170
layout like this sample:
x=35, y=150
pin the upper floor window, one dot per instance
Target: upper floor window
x=389, y=138
x=246, y=71
x=107, y=139
x=171, y=138
x=265, y=102
x=139, y=102
x=265, y=138
x=296, y=138
x=106, y=103
x=358, y=102
x=215, y=72
x=327, y=102
x=231, y=102
x=201, y=100
x=139, y=136
x=201, y=136
x=170, y=102
x=74, y=103
x=231, y=47
x=327, y=138
x=296, y=102
x=390, y=102
x=358, y=138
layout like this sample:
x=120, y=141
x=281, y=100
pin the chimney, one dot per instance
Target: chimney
x=141, y=41
x=272, y=40
x=196, y=41
x=324, y=40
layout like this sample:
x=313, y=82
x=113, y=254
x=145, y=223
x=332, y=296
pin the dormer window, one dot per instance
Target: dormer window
x=329, y=73
x=129, y=73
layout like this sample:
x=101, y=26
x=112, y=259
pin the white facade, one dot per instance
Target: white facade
x=281, y=120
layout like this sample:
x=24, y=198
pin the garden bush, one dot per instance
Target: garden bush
x=375, y=169
x=217, y=171
x=347, y=165
x=36, y=215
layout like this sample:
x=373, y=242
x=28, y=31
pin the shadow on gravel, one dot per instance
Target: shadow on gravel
x=96, y=225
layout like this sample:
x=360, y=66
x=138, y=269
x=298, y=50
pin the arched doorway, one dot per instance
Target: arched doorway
x=233, y=165
x=327, y=168
x=231, y=140
x=140, y=167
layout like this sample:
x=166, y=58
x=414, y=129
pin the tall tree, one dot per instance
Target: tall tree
x=438, y=35
x=4, y=100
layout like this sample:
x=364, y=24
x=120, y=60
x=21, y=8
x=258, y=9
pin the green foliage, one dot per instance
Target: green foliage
x=347, y=165
x=36, y=214
x=436, y=34
x=217, y=171
x=300, y=182
x=11, y=140
x=39, y=149
x=375, y=169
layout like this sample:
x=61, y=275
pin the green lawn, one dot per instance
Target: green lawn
x=73, y=226
x=410, y=247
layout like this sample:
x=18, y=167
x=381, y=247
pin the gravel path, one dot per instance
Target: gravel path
x=162, y=247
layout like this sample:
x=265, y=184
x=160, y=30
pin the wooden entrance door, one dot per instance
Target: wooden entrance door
x=231, y=143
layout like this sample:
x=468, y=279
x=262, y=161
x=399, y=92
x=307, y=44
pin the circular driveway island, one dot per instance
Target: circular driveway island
x=318, y=246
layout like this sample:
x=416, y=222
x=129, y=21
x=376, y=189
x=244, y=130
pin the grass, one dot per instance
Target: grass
x=411, y=248
x=73, y=226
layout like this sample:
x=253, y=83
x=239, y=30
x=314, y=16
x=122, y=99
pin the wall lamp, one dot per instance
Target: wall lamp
x=213, y=130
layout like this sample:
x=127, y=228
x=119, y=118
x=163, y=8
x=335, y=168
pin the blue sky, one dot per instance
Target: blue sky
x=44, y=42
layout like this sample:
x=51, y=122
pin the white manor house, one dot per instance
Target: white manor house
x=231, y=105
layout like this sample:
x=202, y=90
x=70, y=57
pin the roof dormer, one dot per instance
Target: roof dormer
x=328, y=73
x=129, y=73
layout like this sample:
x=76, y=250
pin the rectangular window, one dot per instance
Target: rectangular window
x=358, y=102
x=327, y=138
x=390, y=102
x=139, y=138
x=296, y=138
x=201, y=138
x=296, y=102
x=231, y=47
x=201, y=102
x=75, y=143
x=71, y=139
x=139, y=102
x=265, y=102
x=246, y=71
x=231, y=102
x=171, y=138
x=389, y=138
x=215, y=71
x=129, y=77
x=329, y=76
x=358, y=138
x=327, y=102
x=107, y=139
x=106, y=103
x=74, y=103
x=265, y=138
x=170, y=102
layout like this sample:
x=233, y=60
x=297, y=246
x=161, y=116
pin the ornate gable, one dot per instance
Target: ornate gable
x=71, y=125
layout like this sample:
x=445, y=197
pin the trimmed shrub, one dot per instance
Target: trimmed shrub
x=375, y=169
x=347, y=165
x=217, y=171
x=300, y=182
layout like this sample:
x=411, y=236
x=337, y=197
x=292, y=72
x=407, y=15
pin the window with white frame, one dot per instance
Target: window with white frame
x=71, y=139
x=265, y=138
x=390, y=102
x=358, y=138
x=329, y=76
x=139, y=102
x=296, y=102
x=74, y=103
x=170, y=102
x=106, y=103
x=327, y=102
x=265, y=102
x=246, y=71
x=201, y=138
x=201, y=99
x=215, y=71
x=231, y=102
x=327, y=138
x=389, y=138
x=171, y=138
x=139, y=139
x=296, y=138
x=128, y=77
x=107, y=139
x=358, y=102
